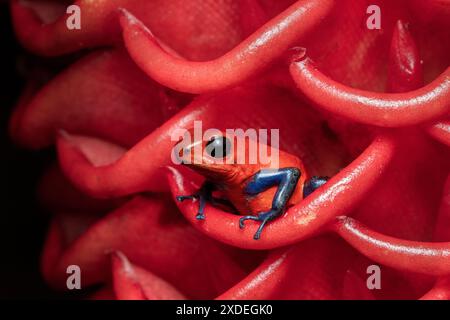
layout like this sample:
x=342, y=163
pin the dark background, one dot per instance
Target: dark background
x=23, y=224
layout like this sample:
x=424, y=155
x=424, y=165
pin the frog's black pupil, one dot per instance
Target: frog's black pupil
x=218, y=147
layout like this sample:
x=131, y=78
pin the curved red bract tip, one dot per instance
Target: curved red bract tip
x=249, y=57
x=441, y=131
x=131, y=282
x=380, y=109
x=125, y=280
x=338, y=196
x=406, y=73
x=415, y=256
x=405, y=66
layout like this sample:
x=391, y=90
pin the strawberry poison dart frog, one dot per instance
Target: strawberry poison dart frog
x=262, y=190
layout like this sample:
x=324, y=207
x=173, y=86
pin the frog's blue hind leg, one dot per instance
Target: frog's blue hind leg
x=312, y=184
x=286, y=179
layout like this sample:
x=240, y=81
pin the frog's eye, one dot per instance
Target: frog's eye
x=218, y=147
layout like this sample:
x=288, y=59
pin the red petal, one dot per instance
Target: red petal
x=237, y=65
x=145, y=230
x=129, y=106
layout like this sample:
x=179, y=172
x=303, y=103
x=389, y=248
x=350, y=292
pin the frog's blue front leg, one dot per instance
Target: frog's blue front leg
x=286, y=179
x=204, y=195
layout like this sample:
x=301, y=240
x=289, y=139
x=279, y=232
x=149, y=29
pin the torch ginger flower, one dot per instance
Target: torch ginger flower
x=367, y=107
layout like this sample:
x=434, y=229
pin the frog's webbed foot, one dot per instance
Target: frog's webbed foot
x=264, y=217
x=204, y=194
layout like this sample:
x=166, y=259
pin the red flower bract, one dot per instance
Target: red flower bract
x=371, y=112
